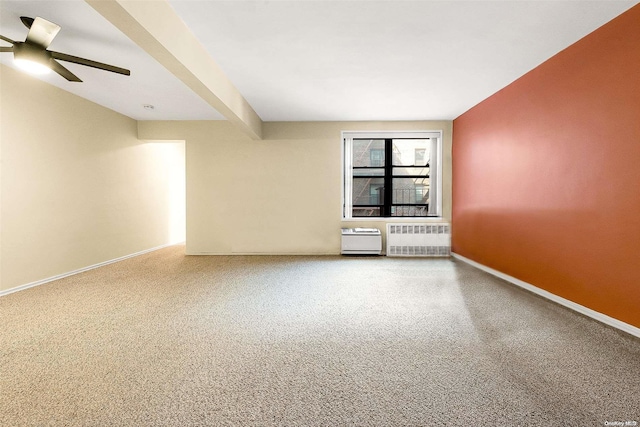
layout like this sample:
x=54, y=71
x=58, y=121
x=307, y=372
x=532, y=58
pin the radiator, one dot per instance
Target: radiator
x=419, y=240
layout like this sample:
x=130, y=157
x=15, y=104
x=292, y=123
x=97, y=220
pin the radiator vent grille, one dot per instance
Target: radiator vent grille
x=419, y=240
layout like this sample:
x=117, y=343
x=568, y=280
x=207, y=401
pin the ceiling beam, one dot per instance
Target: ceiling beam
x=157, y=29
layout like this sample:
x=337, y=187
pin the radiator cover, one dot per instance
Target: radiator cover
x=425, y=240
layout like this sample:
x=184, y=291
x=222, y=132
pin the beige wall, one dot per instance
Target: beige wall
x=281, y=195
x=77, y=186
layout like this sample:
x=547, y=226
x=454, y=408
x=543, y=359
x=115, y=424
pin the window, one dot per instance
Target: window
x=392, y=174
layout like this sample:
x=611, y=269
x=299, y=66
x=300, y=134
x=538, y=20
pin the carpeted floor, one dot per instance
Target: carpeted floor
x=171, y=340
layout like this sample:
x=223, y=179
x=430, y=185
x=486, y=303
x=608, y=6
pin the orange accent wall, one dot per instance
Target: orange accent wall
x=546, y=174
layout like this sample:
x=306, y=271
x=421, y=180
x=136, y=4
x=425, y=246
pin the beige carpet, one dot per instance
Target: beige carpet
x=169, y=340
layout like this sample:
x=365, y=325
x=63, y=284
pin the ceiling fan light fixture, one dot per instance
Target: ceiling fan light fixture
x=32, y=67
x=31, y=59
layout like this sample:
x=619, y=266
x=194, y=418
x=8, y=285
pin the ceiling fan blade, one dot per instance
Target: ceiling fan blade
x=6, y=48
x=89, y=63
x=60, y=69
x=28, y=22
x=7, y=39
x=42, y=32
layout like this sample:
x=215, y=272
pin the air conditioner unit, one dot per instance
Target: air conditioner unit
x=419, y=239
x=361, y=241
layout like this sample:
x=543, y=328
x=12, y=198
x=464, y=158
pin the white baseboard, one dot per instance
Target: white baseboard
x=603, y=318
x=80, y=270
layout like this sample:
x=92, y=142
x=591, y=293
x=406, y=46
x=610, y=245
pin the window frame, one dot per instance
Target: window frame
x=347, y=173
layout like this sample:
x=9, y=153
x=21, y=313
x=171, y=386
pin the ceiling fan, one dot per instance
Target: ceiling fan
x=33, y=53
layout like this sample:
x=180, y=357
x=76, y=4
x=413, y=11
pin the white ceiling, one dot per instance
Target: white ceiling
x=324, y=60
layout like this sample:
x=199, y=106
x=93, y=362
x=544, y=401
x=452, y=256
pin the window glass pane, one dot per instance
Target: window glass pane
x=368, y=152
x=366, y=212
x=411, y=152
x=424, y=171
x=368, y=172
x=368, y=191
x=410, y=190
x=409, y=211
